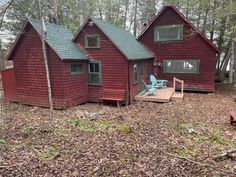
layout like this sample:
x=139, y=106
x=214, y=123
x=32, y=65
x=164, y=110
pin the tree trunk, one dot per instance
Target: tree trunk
x=232, y=64
x=234, y=56
x=55, y=4
x=205, y=22
x=224, y=64
x=135, y=17
x=126, y=12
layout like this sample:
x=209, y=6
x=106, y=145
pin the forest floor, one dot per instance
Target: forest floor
x=180, y=138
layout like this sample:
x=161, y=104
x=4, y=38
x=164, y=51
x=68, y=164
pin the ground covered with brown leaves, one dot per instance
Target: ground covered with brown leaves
x=182, y=138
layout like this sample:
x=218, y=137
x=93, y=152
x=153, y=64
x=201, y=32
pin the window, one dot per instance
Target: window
x=76, y=69
x=92, y=41
x=168, y=33
x=147, y=69
x=135, y=70
x=181, y=66
x=95, y=74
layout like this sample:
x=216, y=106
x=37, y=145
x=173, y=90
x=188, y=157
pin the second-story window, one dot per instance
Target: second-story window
x=92, y=41
x=168, y=33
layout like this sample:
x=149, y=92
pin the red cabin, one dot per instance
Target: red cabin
x=104, y=62
x=180, y=50
x=100, y=57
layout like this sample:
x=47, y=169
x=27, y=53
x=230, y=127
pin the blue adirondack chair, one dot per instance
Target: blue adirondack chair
x=157, y=83
x=150, y=89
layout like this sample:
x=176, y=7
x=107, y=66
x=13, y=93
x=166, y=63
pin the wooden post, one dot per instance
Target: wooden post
x=174, y=83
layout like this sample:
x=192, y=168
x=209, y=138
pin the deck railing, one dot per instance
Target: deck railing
x=179, y=81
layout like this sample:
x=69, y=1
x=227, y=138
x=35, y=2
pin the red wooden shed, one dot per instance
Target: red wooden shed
x=68, y=87
x=180, y=50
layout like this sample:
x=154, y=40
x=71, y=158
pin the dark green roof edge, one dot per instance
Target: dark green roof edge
x=61, y=44
x=122, y=48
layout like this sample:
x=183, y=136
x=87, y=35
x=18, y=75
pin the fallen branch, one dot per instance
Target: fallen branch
x=199, y=163
x=189, y=160
x=225, y=155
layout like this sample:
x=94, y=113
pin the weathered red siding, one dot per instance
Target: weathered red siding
x=31, y=83
x=9, y=85
x=114, y=64
x=135, y=88
x=192, y=47
x=67, y=90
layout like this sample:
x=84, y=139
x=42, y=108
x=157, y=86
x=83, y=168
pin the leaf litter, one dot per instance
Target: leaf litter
x=181, y=138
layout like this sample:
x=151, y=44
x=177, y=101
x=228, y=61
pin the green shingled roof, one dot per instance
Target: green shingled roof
x=124, y=41
x=59, y=38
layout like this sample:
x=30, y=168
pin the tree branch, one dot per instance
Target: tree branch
x=2, y=14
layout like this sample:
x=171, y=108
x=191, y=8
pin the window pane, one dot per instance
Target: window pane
x=147, y=69
x=96, y=67
x=173, y=33
x=163, y=34
x=77, y=69
x=91, y=67
x=181, y=66
x=94, y=79
x=94, y=76
x=169, y=33
x=135, y=80
x=92, y=41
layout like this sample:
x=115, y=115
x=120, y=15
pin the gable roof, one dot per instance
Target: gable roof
x=185, y=19
x=122, y=39
x=58, y=38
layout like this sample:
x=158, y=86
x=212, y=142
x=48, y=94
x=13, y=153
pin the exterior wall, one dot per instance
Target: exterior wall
x=114, y=65
x=136, y=88
x=9, y=84
x=67, y=90
x=31, y=83
x=192, y=47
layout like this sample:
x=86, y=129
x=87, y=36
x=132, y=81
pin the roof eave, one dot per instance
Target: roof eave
x=134, y=59
x=16, y=40
x=75, y=59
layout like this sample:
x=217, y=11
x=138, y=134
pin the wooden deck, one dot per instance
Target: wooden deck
x=163, y=95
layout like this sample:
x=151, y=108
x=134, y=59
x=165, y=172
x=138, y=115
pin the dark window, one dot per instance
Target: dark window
x=92, y=41
x=95, y=74
x=181, y=66
x=168, y=33
x=76, y=69
x=135, y=70
x=147, y=69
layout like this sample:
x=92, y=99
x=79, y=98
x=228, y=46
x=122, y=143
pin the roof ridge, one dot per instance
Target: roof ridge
x=110, y=24
x=47, y=23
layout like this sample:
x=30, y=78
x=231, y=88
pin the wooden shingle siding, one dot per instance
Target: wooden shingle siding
x=192, y=47
x=135, y=89
x=31, y=84
x=113, y=63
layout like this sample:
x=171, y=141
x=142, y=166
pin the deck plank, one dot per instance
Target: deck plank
x=177, y=96
x=162, y=95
